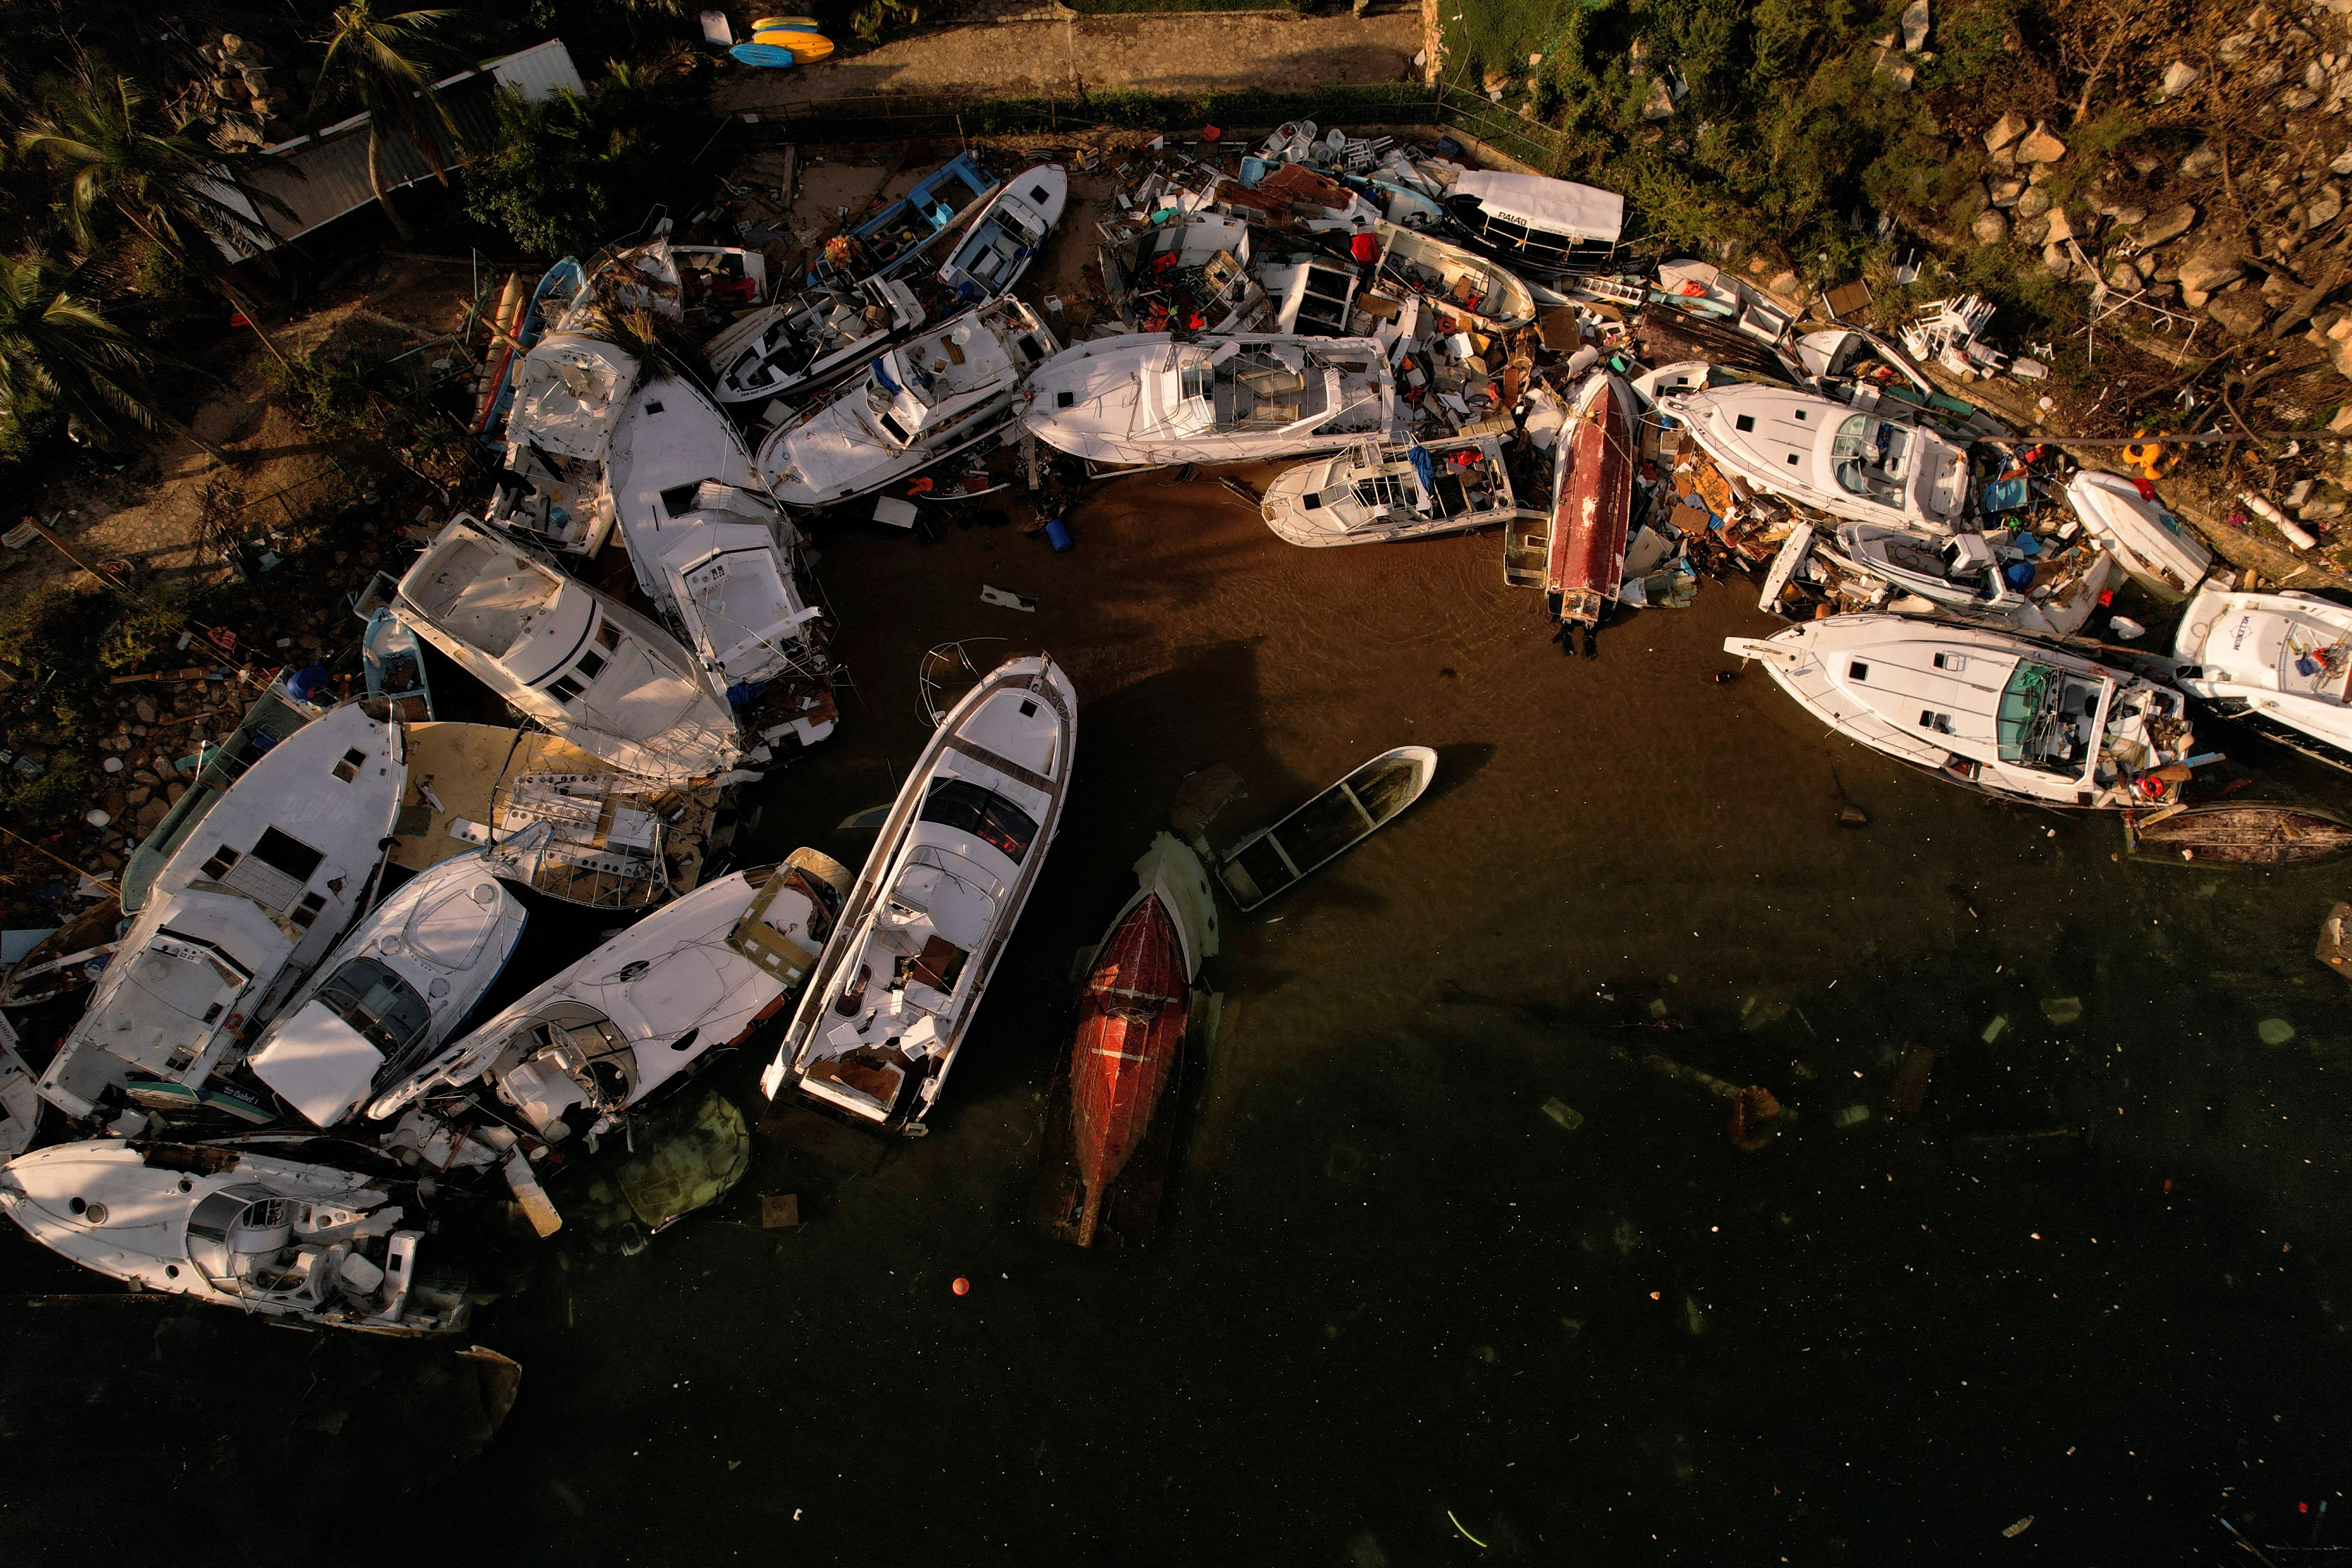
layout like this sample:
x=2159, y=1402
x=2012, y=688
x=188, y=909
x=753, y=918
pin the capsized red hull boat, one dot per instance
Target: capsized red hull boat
x=1130, y=1031
x=1592, y=500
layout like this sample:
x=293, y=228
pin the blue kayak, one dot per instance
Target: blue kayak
x=766, y=55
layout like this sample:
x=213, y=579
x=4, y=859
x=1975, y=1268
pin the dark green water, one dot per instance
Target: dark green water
x=1394, y=1305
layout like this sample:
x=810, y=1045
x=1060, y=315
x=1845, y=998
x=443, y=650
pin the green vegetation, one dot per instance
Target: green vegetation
x=61, y=351
x=571, y=171
x=386, y=65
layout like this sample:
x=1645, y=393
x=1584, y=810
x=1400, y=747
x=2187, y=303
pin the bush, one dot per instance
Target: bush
x=571, y=171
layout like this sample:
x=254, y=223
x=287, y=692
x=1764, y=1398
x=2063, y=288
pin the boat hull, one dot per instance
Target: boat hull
x=2243, y=836
x=2158, y=555
x=1278, y=859
x=1131, y=1022
x=1592, y=501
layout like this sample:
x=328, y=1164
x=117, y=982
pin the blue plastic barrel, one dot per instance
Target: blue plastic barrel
x=1056, y=535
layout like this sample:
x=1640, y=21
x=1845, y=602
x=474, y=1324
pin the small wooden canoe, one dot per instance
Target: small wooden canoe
x=2242, y=835
x=1592, y=500
x=1328, y=826
x=1132, y=1021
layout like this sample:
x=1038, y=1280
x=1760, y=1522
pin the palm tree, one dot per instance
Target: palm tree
x=383, y=62
x=58, y=346
x=122, y=150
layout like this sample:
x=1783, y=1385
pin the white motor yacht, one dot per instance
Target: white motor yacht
x=1144, y=399
x=704, y=539
x=1005, y=238
x=693, y=977
x=877, y=1031
x=2154, y=548
x=949, y=388
x=1824, y=454
x=2280, y=664
x=248, y=1228
x=569, y=393
x=392, y=990
x=1987, y=577
x=1986, y=710
x=1372, y=494
x=1459, y=282
x=793, y=348
x=250, y=903
x=581, y=663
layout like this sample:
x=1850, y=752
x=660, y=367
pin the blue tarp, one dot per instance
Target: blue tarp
x=1426, y=466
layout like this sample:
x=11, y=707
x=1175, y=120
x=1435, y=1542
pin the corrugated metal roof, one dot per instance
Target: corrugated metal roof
x=333, y=165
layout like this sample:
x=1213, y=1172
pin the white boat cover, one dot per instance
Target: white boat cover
x=1580, y=212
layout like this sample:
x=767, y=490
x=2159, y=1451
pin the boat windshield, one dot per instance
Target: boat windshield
x=1867, y=456
x=2046, y=719
x=981, y=811
x=385, y=1009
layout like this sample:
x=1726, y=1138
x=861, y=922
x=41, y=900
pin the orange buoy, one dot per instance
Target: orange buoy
x=962, y=1286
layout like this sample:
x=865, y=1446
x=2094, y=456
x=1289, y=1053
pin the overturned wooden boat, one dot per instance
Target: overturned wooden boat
x=1132, y=1019
x=1592, y=501
x=2239, y=835
x=1270, y=860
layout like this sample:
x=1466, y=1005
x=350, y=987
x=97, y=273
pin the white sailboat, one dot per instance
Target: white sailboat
x=705, y=542
x=581, y=663
x=794, y=347
x=2280, y=664
x=950, y=387
x=693, y=977
x=1824, y=454
x=2154, y=548
x=1005, y=237
x=1372, y=494
x=246, y=1227
x=1982, y=709
x=392, y=990
x=250, y=903
x=1144, y=399
x=877, y=1031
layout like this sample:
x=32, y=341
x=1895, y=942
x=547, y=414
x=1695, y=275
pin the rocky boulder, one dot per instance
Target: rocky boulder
x=2037, y=146
x=1990, y=227
x=2212, y=264
x=2242, y=311
x=2004, y=134
x=2170, y=224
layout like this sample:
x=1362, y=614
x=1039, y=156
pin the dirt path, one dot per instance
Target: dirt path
x=1036, y=53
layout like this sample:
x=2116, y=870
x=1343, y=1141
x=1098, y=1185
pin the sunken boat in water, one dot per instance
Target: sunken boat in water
x=1274, y=860
x=2239, y=835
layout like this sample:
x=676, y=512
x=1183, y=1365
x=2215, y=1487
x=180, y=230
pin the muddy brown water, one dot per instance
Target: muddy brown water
x=1394, y=1305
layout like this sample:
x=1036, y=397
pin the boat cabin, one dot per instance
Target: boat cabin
x=294, y=1255
x=795, y=346
x=1532, y=224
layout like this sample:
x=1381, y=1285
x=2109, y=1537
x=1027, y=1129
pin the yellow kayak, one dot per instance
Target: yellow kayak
x=807, y=24
x=806, y=47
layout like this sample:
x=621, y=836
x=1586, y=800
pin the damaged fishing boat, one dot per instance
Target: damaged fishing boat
x=249, y=905
x=2154, y=547
x=1825, y=456
x=580, y=662
x=878, y=1030
x=708, y=545
x=392, y=990
x=246, y=1228
x=1143, y=399
x=1456, y=283
x=916, y=406
x=2279, y=664
x=1592, y=501
x=790, y=349
x=1978, y=708
x=1370, y=494
x=579, y=1052
x=1990, y=577
x=569, y=393
x=1132, y=1017
x=996, y=251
